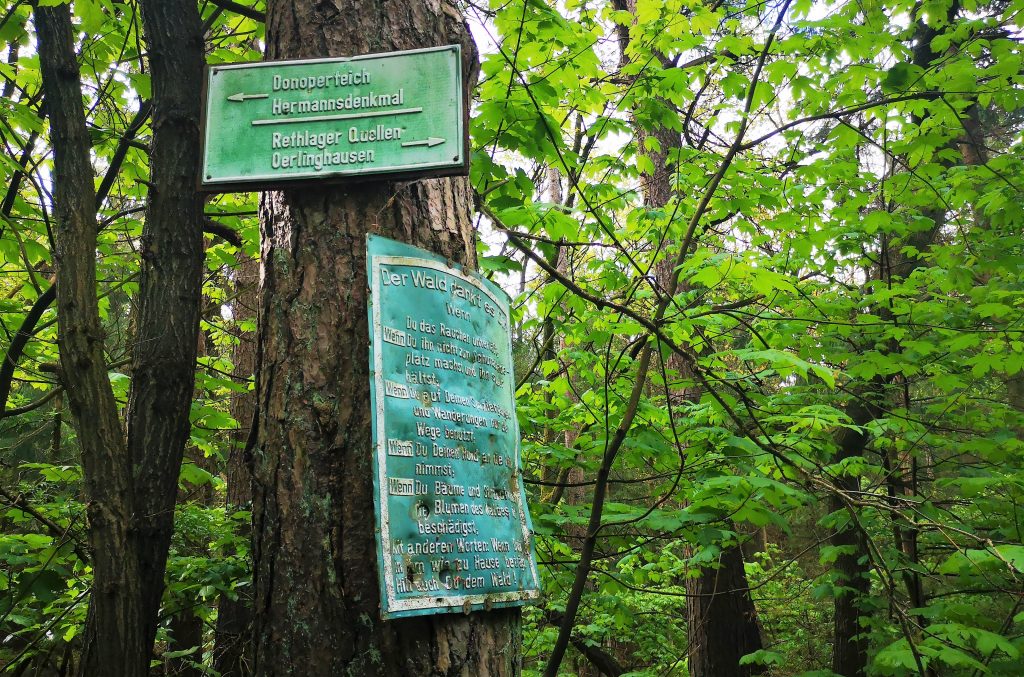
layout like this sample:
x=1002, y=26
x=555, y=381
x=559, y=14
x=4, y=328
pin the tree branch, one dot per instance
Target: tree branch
x=56, y=530
x=18, y=411
x=20, y=340
x=44, y=300
x=226, y=233
x=126, y=141
x=240, y=9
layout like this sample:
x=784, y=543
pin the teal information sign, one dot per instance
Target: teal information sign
x=277, y=122
x=454, y=532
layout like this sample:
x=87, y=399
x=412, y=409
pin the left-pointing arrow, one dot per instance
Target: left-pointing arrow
x=243, y=97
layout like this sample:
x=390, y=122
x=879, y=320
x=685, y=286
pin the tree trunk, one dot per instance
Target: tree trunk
x=170, y=290
x=850, y=645
x=112, y=639
x=317, y=609
x=234, y=616
x=852, y=567
x=186, y=632
x=721, y=620
x=131, y=486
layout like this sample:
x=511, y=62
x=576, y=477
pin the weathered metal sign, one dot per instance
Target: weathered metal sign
x=277, y=122
x=454, y=532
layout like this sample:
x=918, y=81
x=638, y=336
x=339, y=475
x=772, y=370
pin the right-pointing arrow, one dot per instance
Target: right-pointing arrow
x=428, y=142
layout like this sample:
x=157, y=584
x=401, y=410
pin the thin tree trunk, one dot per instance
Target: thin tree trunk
x=234, y=616
x=721, y=620
x=317, y=609
x=115, y=643
x=849, y=653
x=170, y=286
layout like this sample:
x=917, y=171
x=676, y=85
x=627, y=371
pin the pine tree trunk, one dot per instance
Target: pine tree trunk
x=852, y=568
x=850, y=647
x=316, y=593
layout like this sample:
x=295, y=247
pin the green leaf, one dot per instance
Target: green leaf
x=193, y=474
x=763, y=657
x=180, y=653
x=901, y=76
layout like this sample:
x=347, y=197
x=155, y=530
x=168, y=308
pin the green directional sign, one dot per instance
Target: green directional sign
x=272, y=123
x=453, y=531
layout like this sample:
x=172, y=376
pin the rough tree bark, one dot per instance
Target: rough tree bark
x=316, y=594
x=721, y=620
x=110, y=638
x=170, y=290
x=131, y=481
x=852, y=565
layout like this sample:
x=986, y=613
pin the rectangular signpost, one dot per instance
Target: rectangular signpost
x=275, y=123
x=453, y=533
